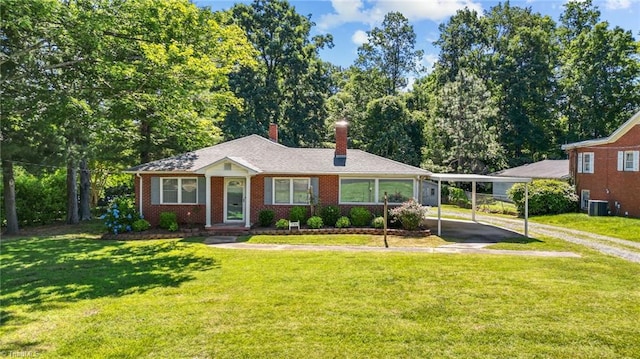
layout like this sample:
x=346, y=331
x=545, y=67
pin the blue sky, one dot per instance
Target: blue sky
x=349, y=20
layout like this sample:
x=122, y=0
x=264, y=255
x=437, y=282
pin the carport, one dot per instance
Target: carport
x=453, y=177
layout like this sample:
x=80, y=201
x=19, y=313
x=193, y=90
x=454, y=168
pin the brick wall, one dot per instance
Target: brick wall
x=607, y=183
x=196, y=212
x=329, y=192
x=329, y=188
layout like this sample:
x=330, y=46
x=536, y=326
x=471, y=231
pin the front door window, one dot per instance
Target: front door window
x=235, y=200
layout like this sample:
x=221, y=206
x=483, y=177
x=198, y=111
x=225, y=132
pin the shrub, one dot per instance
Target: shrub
x=39, y=199
x=360, y=216
x=409, y=214
x=315, y=222
x=378, y=222
x=121, y=214
x=265, y=217
x=167, y=219
x=343, y=222
x=298, y=213
x=330, y=215
x=545, y=197
x=282, y=223
x=173, y=227
x=458, y=197
x=140, y=225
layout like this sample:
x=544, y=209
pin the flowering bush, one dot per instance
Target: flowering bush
x=409, y=214
x=121, y=214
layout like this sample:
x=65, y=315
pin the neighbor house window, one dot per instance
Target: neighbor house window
x=628, y=161
x=179, y=190
x=370, y=190
x=585, y=195
x=291, y=190
x=585, y=162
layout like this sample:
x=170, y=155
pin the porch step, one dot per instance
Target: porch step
x=220, y=239
x=227, y=230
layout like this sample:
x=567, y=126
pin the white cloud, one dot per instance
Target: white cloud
x=429, y=61
x=359, y=37
x=617, y=4
x=372, y=12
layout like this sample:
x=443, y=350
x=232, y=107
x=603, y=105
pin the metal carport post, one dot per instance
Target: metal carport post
x=452, y=177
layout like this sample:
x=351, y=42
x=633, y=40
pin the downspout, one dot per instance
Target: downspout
x=140, y=195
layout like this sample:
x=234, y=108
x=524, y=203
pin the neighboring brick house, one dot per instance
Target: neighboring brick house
x=233, y=181
x=608, y=169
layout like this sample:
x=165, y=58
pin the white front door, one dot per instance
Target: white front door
x=234, y=197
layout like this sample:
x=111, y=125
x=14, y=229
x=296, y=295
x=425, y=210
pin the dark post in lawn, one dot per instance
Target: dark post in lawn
x=386, y=245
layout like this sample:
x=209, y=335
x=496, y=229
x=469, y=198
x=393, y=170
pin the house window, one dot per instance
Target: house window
x=357, y=190
x=628, y=161
x=398, y=190
x=585, y=162
x=291, y=190
x=585, y=195
x=367, y=190
x=179, y=191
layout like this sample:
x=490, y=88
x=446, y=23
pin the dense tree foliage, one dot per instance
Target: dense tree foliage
x=390, y=51
x=91, y=80
x=463, y=140
x=92, y=86
x=600, y=73
x=290, y=85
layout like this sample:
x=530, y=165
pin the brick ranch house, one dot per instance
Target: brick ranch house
x=608, y=169
x=231, y=182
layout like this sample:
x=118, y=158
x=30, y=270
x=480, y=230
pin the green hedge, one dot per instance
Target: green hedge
x=39, y=199
x=545, y=197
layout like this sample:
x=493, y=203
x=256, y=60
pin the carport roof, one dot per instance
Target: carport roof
x=461, y=177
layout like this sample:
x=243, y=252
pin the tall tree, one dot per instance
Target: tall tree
x=522, y=71
x=392, y=130
x=599, y=73
x=463, y=141
x=464, y=44
x=390, y=49
x=290, y=84
x=25, y=60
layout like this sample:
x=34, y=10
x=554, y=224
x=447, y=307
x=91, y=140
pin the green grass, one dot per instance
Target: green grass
x=353, y=239
x=75, y=296
x=619, y=227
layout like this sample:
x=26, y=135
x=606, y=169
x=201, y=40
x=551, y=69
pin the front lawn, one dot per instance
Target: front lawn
x=619, y=227
x=350, y=239
x=75, y=296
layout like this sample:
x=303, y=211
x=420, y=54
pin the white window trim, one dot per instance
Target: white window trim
x=290, y=203
x=377, y=200
x=581, y=162
x=622, y=161
x=179, y=191
x=582, y=205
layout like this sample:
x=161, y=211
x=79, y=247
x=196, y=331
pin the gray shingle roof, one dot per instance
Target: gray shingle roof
x=263, y=155
x=554, y=169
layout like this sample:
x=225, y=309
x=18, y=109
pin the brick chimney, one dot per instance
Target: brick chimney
x=341, y=139
x=273, y=132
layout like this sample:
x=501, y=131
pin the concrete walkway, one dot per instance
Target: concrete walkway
x=450, y=249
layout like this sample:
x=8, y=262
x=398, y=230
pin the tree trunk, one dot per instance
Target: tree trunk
x=85, y=191
x=72, y=193
x=9, y=193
